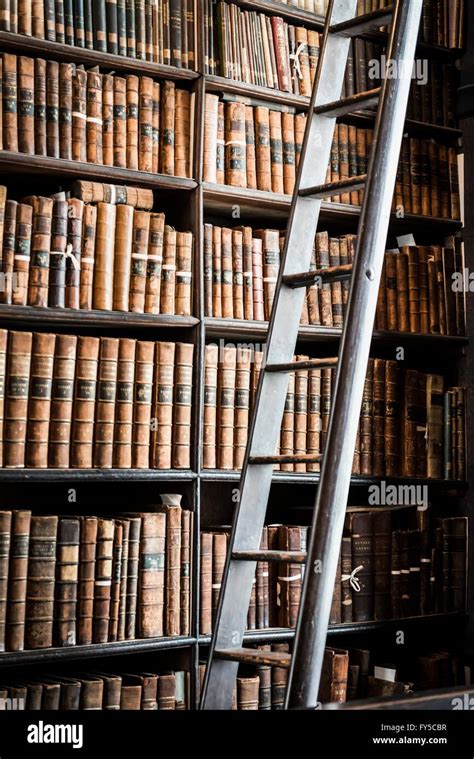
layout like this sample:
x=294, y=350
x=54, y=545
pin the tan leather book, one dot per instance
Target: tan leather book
x=132, y=578
x=225, y=408
x=62, y=395
x=3, y=365
x=8, y=251
x=205, y=606
x=186, y=572
x=336, y=287
x=167, y=692
x=173, y=514
x=184, y=253
x=116, y=581
x=123, y=581
x=74, y=250
x=242, y=404
x=245, y=234
x=366, y=421
x=86, y=286
x=112, y=692
x=39, y=403
x=108, y=119
x=17, y=577
x=40, y=251
x=105, y=403
x=302, y=37
x=151, y=578
x=143, y=396
x=263, y=150
x=301, y=414
x=16, y=398
x=3, y=200
x=79, y=115
x=122, y=257
x=40, y=107
x=85, y=388
x=10, y=102
x=289, y=157
x=168, y=115
x=92, y=693
x=140, y=240
x=24, y=17
x=210, y=407
x=26, y=127
x=122, y=452
x=258, y=287
x=334, y=676
x=217, y=272
x=120, y=122
x=168, y=278
x=237, y=274
x=155, y=264
x=182, y=406
x=276, y=151
x=118, y=195
x=57, y=255
x=40, y=583
x=103, y=579
x=313, y=436
x=145, y=122
x=279, y=678
x=226, y=274
x=5, y=537
x=251, y=156
x=247, y=693
x=182, y=160
x=325, y=293
x=210, y=138
x=102, y=298
x=155, y=156
x=287, y=436
x=86, y=579
x=66, y=587
x=271, y=265
x=94, y=123
x=21, y=261
x=162, y=410
x=221, y=149
x=314, y=316
x=235, y=147
x=65, y=110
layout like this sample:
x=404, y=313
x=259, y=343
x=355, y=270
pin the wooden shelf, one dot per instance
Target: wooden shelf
x=22, y=44
x=290, y=13
x=75, y=653
x=72, y=318
x=21, y=163
x=134, y=476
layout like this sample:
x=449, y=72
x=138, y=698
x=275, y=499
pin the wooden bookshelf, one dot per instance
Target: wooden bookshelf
x=207, y=202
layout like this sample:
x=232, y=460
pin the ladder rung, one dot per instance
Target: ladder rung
x=350, y=104
x=297, y=458
x=301, y=366
x=334, y=188
x=296, y=557
x=250, y=656
x=369, y=22
x=308, y=278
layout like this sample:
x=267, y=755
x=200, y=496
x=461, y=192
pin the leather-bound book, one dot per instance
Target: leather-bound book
x=362, y=555
x=460, y=441
x=205, y=621
x=271, y=265
x=261, y=591
x=105, y=404
x=405, y=585
x=118, y=195
x=168, y=111
x=333, y=687
x=403, y=312
x=415, y=175
x=151, y=578
x=145, y=118
x=382, y=564
x=3, y=200
x=392, y=419
x=301, y=414
x=210, y=406
x=248, y=693
x=335, y=617
x=131, y=696
x=225, y=409
x=167, y=692
x=434, y=409
x=182, y=155
x=424, y=289
x=92, y=693
x=123, y=580
x=132, y=577
x=108, y=119
x=120, y=122
x=39, y=107
x=264, y=153
x=40, y=584
x=445, y=200
x=173, y=514
x=65, y=110
x=104, y=258
x=155, y=264
x=453, y=561
x=346, y=571
x=67, y=566
x=378, y=421
x=336, y=287
x=94, y=117
x=3, y=364
x=143, y=396
x=103, y=580
x=366, y=421
x=39, y=403
x=85, y=388
x=140, y=240
x=162, y=408
x=26, y=106
x=235, y=149
x=57, y=257
x=184, y=250
x=313, y=438
x=33, y=697
x=289, y=158
x=186, y=568
x=89, y=228
x=116, y=581
x=182, y=406
x=52, y=109
x=168, y=274
x=86, y=580
x=279, y=678
x=79, y=23
x=8, y=251
x=122, y=257
x=112, y=692
x=79, y=115
x=455, y=202
x=73, y=276
x=16, y=398
x=247, y=275
x=62, y=396
x=289, y=577
x=258, y=287
x=226, y=274
x=122, y=451
x=21, y=261
x=326, y=401
x=17, y=579
x=276, y=151
x=221, y=140
x=210, y=138
x=241, y=405
x=322, y=262
x=37, y=283
x=250, y=142
x=10, y=102
x=219, y=552
x=5, y=537
x=411, y=419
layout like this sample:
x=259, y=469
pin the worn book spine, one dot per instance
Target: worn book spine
x=103, y=579
x=123, y=427
x=5, y=537
x=108, y=119
x=86, y=578
x=143, y=396
x=155, y=264
x=402, y=290
x=132, y=578
x=79, y=115
x=3, y=366
x=40, y=251
x=382, y=539
x=40, y=583
x=241, y=405
x=173, y=515
x=168, y=118
x=26, y=106
x=85, y=388
x=67, y=573
x=104, y=257
x=162, y=407
x=18, y=570
x=145, y=124
x=57, y=255
x=39, y=404
x=66, y=72
x=16, y=398
x=205, y=621
x=363, y=556
x=366, y=421
x=74, y=250
x=186, y=567
x=235, y=146
x=122, y=257
x=226, y=274
x=8, y=250
x=210, y=407
x=225, y=409
x=140, y=241
x=52, y=109
x=168, y=273
x=346, y=586
x=89, y=230
x=62, y=395
x=10, y=102
x=116, y=581
x=22, y=256
x=151, y=580
x=105, y=403
x=94, y=122
x=184, y=251
x=122, y=590
x=182, y=406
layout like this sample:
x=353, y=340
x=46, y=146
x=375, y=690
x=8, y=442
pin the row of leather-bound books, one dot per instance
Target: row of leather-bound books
x=351, y=674
x=94, y=247
x=85, y=402
x=162, y=31
x=259, y=148
x=265, y=50
x=90, y=690
x=411, y=423
x=421, y=289
x=64, y=111
x=385, y=570
x=78, y=580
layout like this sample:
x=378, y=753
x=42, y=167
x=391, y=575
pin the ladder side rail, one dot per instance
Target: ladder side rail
x=333, y=490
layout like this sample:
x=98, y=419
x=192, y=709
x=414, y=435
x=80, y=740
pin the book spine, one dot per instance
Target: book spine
x=79, y=116
x=18, y=570
x=132, y=578
x=362, y=555
x=16, y=398
x=67, y=575
x=145, y=128
x=94, y=121
x=151, y=578
x=186, y=566
x=241, y=406
x=3, y=366
x=102, y=298
x=225, y=411
x=140, y=242
x=26, y=105
x=143, y=395
x=122, y=257
x=122, y=449
x=5, y=537
x=103, y=579
x=8, y=249
x=40, y=583
x=62, y=395
x=210, y=407
x=21, y=261
x=182, y=407
x=205, y=606
x=168, y=117
x=89, y=230
x=105, y=404
x=155, y=264
x=116, y=581
x=52, y=109
x=40, y=252
x=122, y=611
x=86, y=578
x=120, y=122
x=73, y=252
x=85, y=388
x=39, y=404
x=108, y=119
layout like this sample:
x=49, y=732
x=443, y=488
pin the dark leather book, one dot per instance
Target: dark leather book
x=378, y=421
x=392, y=419
x=361, y=658
x=78, y=23
x=335, y=618
x=67, y=566
x=112, y=692
x=103, y=579
x=279, y=678
x=363, y=558
x=382, y=523
x=406, y=600
x=57, y=257
x=366, y=421
x=39, y=403
x=167, y=691
x=454, y=563
x=26, y=107
x=88, y=25
x=100, y=34
x=66, y=73
x=396, y=575
x=40, y=583
x=352, y=681
x=86, y=579
x=219, y=551
x=5, y=538
x=111, y=23
x=346, y=571
x=3, y=362
x=186, y=571
x=377, y=688
x=333, y=686
x=122, y=27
